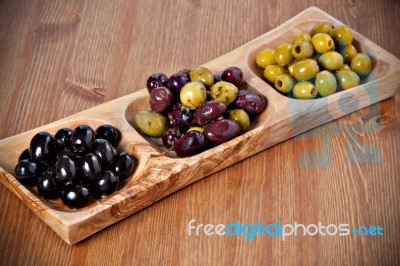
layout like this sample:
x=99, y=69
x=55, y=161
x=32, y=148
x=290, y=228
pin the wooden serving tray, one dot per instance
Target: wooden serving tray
x=158, y=176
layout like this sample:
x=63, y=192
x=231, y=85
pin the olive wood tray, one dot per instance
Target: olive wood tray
x=157, y=174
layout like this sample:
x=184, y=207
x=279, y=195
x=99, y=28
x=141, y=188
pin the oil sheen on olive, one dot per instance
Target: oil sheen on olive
x=343, y=35
x=193, y=94
x=75, y=197
x=233, y=75
x=105, y=185
x=191, y=143
x=347, y=78
x=82, y=138
x=62, y=138
x=325, y=83
x=123, y=165
x=305, y=69
x=241, y=117
x=180, y=115
x=331, y=60
x=151, y=123
x=90, y=167
x=28, y=171
x=47, y=186
x=283, y=54
x=108, y=132
x=161, y=99
x=203, y=75
x=272, y=71
x=265, y=58
x=24, y=155
x=302, y=50
x=224, y=92
x=322, y=42
x=304, y=90
x=361, y=64
x=171, y=136
x=285, y=83
x=104, y=150
x=208, y=112
x=65, y=169
x=43, y=147
x=221, y=131
x=251, y=102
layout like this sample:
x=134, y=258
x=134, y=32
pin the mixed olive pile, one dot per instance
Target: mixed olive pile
x=75, y=164
x=317, y=63
x=193, y=110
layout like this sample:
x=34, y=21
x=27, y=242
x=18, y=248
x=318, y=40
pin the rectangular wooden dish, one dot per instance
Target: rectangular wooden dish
x=158, y=176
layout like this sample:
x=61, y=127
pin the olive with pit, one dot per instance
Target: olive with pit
x=325, y=82
x=208, y=112
x=322, y=42
x=221, y=131
x=203, y=75
x=151, y=123
x=241, y=117
x=251, y=102
x=304, y=90
x=161, y=99
x=361, y=64
x=283, y=54
x=331, y=60
x=305, y=69
x=193, y=94
x=224, y=92
x=191, y=143
x=265, y=58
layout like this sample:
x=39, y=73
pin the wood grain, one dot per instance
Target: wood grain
x=270, y=186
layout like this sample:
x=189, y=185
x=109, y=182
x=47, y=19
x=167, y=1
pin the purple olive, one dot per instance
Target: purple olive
x=176, y=81
x=191, y=143
x=252, y=103
x=208, y=112
x=171, y=136
x=161, y=99
x=180, y=115
x=233, y=75
x=221, y=131
x=156, y=80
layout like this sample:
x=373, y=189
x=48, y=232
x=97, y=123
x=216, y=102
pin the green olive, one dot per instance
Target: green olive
x=284, y=83
x=331, y=60
x=272, y=71
x=193, y=94
x=361, y=64
x=325, y=82
x=322, y=27
x=347, y=78
x=305, y=69
x=283, y=54
x=202, y=74
x=241, y=117
x=302, y=50
x=302, y=36
x=304, y=90
x=265, y=58
x=322, y=42
x=200, y=129
x=290, y=67
x=348, y=52
x=342, y=35
x=224, y=92
x=346, y=67
x=151, y=123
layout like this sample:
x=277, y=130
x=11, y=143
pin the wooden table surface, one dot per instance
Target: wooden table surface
x=60, y=57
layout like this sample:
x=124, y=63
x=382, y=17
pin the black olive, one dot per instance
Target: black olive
x=75, y=197
x=82, y=139
x=66, y=170
x=24, y=155
x=28, y=171
x=104, y=150
x=47, y=186
x=62, y=138
x=43, y=147
x=90, y=167
x=109, y=133
x=105, y=185
x=123, y=165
